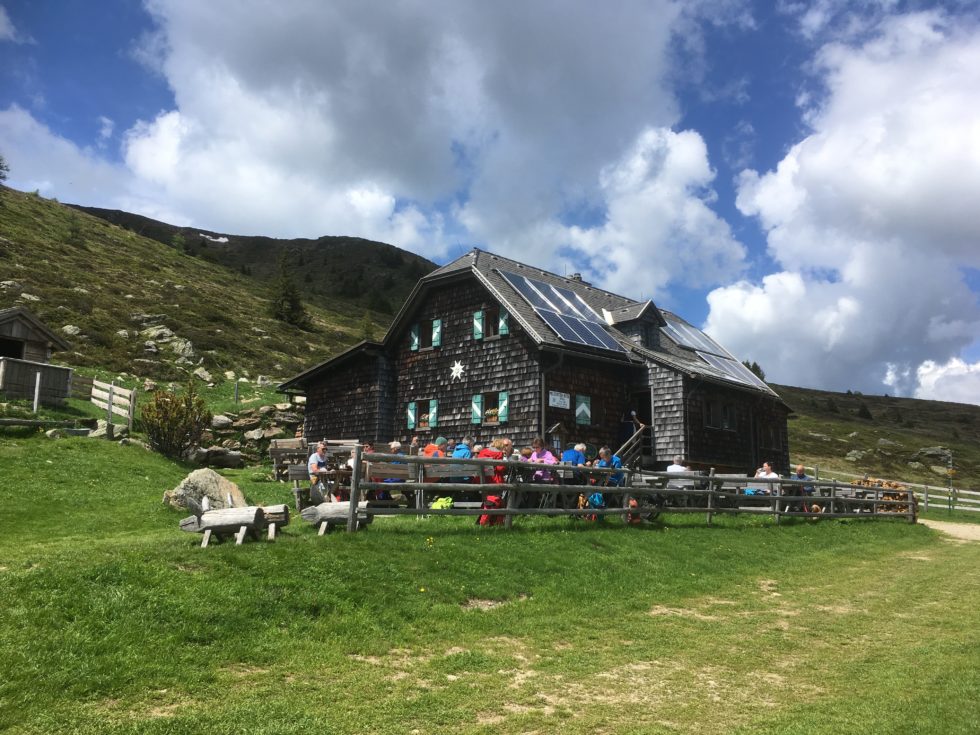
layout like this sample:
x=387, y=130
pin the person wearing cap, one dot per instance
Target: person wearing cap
x=316, y=464
x=436, y=448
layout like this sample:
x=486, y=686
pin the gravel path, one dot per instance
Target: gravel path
x=965, y=531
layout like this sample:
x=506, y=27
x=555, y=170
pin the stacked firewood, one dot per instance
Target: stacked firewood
x=899, y=492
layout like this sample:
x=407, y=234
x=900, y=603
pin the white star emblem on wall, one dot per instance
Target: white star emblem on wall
x=456, y=372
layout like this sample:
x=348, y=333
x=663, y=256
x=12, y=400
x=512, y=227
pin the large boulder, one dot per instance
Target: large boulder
x=932, y=453
x=205, y=483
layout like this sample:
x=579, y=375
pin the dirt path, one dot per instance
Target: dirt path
x=964, y=531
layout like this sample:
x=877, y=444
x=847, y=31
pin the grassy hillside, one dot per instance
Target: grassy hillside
x=76, y=270
x=113, y=621
x=339, y=273
x=826, y=426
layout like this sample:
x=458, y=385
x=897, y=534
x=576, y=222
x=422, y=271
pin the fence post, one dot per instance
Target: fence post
x=108, y=410
x=711, y=493
x=925, y=499
x=37, y=390
x=355, y=490
x=132, y=409
x=833, y=496
x=512, y=498
x=236, y=390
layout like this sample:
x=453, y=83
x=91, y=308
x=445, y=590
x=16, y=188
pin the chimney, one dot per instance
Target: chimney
x=575, y=277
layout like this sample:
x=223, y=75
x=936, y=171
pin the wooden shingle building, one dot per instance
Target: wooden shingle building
x=26, y=345
x=488, y=346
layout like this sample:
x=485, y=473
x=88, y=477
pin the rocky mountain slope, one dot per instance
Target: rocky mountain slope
x=127, y=302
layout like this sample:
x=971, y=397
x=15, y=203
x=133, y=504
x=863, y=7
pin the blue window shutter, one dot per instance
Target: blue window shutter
x=583, y=410
x=415, y=338
x=433, y=413
x=477, y=409
x=502, y=407
x=477, y=325
x=436, y=332
x=410, y=414
x=504, y=326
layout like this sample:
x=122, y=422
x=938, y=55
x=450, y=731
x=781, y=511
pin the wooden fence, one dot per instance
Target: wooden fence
x=40, y=381
x=111, y=398
x=644, y=493
x=941, y=496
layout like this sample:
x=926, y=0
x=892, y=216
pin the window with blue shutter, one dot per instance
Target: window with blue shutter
x=433, y=413
x=476, y=407
x=437, y=332
x=415, y=341
x=477, y=325
x=583, y=410
x=411, y=413
x=502, y=407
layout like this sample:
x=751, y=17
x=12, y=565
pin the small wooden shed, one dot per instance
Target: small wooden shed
x=26, y=345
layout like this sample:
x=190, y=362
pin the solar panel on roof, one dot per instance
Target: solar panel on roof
x=691, y=337
x=733, y=369
x=568, y=315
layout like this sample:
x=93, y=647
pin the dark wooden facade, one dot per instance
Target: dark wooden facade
x=436, y=374
x=26, y=345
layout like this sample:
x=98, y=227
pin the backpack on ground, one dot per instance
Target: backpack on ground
x=492, y=502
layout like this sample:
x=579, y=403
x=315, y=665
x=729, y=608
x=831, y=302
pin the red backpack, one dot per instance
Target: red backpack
x=491, y=503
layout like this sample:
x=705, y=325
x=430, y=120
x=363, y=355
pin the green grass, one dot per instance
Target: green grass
x=113, y=621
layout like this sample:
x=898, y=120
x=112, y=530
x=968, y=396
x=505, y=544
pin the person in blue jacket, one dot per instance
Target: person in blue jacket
x=575, y=457
x=463, y=451
x=608, y=459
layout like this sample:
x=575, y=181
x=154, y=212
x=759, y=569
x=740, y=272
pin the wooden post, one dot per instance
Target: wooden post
x=206, y=539
x=355, y=490
x=925, y=499
x=37, y=390
x=3, y=369
x=236, y=390
x=711, y=492
x=833, y=495
x=108, y=416
x=132, y=409
x=511, y=504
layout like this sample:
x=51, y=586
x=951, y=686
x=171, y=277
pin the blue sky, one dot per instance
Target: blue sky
x=799, y=178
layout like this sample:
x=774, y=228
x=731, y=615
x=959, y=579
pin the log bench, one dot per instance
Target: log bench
x=327, y=515
x=237, y=522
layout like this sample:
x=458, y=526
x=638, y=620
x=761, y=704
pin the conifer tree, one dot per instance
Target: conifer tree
x=287, y=306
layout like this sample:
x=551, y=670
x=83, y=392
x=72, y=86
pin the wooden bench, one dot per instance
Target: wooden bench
x=238, y=522
x=327, y=515
x=284, y=452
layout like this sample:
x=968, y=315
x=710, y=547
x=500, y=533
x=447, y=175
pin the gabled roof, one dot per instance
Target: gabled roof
x=487, y=268
x=640, y=310
x=22, y=314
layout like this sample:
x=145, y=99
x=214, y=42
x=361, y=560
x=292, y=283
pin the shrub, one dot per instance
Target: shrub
x=174, y=422
x=864, y=413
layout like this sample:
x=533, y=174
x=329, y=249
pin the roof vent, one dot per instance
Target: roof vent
x=575, y=277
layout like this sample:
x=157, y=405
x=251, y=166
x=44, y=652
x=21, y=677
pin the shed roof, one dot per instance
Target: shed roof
x=20, y=313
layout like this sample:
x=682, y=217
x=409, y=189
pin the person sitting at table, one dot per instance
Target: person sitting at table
x=768, y=489
x=496, y=451
x=436, y=448
x=540, y=454
x=575, y=456
x=317, y=463
x=610, y=460
x=678, y=466
x=462, y=451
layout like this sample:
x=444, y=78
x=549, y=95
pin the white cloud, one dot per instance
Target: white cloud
x=955, y=380
x=7, y=30
x=40, y=160
x=871, y=218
